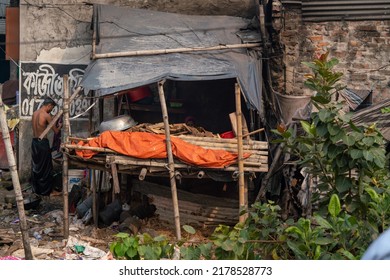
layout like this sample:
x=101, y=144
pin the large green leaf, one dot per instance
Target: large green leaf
x=131, y=252
x=348, y=140
x=122, y=235
x=347, y=254
x=324, y=115
x=310, y=65
x=368, y=141
x=120, y=249
x=190, y=253
x=320, y=99
x=356, y=154
x=336, y=138
x=205, y=249
x=228, y=245
x=299, y=254
x=342, y=162
x=334, y=151
x=323, y=240
x=373, y=194
x=367, y=154
x=333, y=129
x=380, y=162
x=239, y=249
x=343, y=184
x=334, y=206
x=323, y=222
x=306, y=127
x=159, y=238
x=296, y=230
x=189, y=229
x=322, y=130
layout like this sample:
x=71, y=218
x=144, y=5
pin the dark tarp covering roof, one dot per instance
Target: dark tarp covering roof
x=374, y=114
x=123, y=29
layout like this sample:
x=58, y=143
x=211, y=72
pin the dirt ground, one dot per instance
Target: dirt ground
x=45, y=228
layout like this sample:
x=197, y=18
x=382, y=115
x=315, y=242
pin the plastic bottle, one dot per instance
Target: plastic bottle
x=37, y=235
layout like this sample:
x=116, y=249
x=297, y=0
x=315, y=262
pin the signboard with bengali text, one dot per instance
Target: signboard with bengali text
x=41, y=80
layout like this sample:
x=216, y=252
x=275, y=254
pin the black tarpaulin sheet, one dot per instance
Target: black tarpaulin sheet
x=121, y=29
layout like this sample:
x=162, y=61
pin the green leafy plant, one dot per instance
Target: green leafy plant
x=194, y=251
x=338, y=235
x=341, y=155
x=351, y=167
x=260, y=237
x=141, y=247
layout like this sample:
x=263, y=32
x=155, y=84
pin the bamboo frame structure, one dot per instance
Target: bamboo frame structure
x=59, y=114
x=15, y=180
x=65, y=164
x=116, y=163
x=176, y=50
x=171, y=164
x=243, y=196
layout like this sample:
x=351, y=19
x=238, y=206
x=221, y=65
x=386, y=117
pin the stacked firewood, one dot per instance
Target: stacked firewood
x=175, y=129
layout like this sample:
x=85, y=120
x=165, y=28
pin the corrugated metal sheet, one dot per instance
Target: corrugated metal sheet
x=2, y=26
x=339, y=10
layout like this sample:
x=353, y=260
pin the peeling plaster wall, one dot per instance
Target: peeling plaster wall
x=55, y=31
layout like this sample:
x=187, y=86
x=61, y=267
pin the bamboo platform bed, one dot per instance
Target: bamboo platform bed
x=257, y=162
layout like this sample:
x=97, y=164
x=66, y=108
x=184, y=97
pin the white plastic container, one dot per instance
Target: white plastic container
x=74, y=177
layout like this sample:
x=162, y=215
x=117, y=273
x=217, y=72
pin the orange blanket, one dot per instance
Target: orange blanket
x=148, y=145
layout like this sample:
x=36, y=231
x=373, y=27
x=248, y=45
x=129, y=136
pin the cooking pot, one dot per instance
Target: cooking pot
x=118, y=123
x=139, y=93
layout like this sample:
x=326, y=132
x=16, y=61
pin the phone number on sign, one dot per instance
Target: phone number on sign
x=28, y=106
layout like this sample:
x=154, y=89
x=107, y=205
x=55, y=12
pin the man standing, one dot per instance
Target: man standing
x=42, y=165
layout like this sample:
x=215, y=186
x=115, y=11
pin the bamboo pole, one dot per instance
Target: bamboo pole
x=95, y=149
x=171, y=163
x=15, y=179
x=65, y=165
x=142, y=174
x=59, y=114
x=253, y=132
x=203, y=144
x=243, y=199
x=177, y=50
x=93, y=185
x=125, y=161
x=95, y=24
x=259, y=146
x=72, y=138
x=225, y=140
x=114, y=172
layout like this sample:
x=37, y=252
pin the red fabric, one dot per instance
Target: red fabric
x=147, y=145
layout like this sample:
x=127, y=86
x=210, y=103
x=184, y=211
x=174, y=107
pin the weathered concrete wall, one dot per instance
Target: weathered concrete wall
x=55, y=31
x=53, y=23
x=362, y=47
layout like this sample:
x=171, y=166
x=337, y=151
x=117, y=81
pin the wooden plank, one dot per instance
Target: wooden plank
x=233, y=121
x=114, y=172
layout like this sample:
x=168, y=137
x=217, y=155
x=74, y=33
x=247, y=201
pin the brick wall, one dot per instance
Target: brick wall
x=362, y=47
